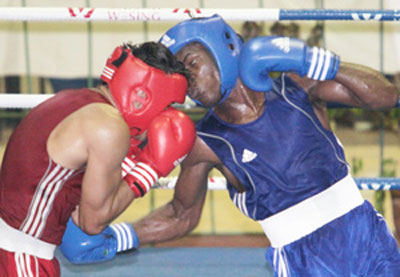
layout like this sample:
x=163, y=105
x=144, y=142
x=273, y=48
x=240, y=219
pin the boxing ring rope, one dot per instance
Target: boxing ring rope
x=75, y=14
x=25, y=101
x=177, y=14
x=219, y=183
x=28, y=101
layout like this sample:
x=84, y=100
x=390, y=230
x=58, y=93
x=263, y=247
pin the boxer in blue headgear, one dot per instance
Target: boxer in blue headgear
x=284, y=166
x=222, y=42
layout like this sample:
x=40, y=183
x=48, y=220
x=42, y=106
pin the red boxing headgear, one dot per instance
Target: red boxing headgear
x=139, y=90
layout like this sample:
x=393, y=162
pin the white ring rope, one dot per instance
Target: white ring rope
x=114, y=15
x=219, y=183
x=177, y=14
x=29, y=101
x=25, y=101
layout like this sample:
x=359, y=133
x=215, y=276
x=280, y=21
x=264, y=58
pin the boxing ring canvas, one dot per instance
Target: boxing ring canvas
x=176, y=262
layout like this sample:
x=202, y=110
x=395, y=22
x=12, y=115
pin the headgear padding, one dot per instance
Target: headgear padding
x=219, y=39
x=139, y=90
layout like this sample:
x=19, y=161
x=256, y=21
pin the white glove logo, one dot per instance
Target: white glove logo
x=282, y=43
x=178, y=161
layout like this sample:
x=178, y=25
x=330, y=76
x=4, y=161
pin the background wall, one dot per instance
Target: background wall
x=79, y=49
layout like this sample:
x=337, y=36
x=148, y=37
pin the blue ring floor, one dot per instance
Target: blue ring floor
x=176, y=262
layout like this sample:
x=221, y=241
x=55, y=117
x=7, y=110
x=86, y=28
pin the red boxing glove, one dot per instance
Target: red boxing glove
x=171, y=136
x=129, y=163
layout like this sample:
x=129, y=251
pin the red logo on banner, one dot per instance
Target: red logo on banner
x=79, y=12
x=190, y=11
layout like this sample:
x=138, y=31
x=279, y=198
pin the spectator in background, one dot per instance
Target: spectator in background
x=251, y=29
x=293, y=30
x=316, y=36
x=277, y=29
x=287, y=30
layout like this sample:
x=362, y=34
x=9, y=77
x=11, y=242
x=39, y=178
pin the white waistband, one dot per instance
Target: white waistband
x=307, y=216
x=14, y=240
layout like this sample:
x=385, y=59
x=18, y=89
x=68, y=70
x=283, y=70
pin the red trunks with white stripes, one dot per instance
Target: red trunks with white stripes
x=24, y=265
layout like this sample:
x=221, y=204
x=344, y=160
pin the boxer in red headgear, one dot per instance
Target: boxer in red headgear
x=71, y=151
x=140, y=91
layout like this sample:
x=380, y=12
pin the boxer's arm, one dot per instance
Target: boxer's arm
x=104, y=195
x=170, y=135
x=326, y=78
x=356, y=85
x=262, y=55
x=175, y=219
x=180, y=216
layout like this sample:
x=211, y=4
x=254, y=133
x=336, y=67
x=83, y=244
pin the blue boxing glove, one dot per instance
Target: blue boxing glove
x=81, y=248
x=262, y=55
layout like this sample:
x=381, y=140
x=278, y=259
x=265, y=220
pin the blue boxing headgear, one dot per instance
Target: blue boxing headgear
x=219, y=39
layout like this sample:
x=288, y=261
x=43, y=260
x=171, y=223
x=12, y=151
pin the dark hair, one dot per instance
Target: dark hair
x=157, y=55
